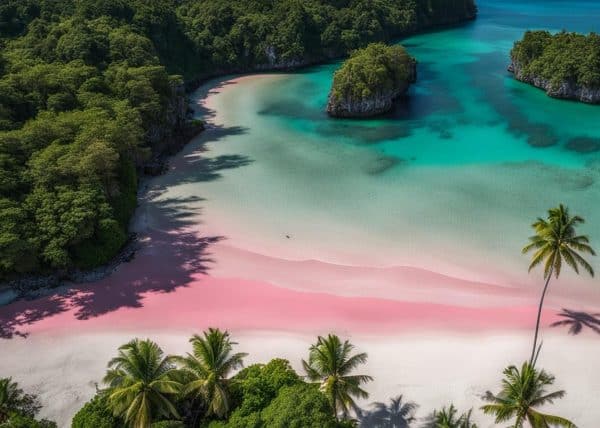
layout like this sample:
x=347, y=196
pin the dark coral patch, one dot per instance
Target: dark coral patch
x=541, y=136
x=584, y=144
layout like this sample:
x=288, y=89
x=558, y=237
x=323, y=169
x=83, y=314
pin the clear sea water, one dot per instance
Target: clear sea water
x=465, y=108
x=470, y=156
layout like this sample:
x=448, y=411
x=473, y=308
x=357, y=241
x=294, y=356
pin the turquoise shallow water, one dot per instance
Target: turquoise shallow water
x=471, y=156
x=465, y=108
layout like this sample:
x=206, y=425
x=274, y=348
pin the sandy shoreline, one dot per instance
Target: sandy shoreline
x=224, y=244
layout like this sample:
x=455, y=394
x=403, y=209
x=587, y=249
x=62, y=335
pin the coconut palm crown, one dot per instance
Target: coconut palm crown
x=555, y=243
x=208, y=367
x=330, y=362
x=523, y=391
x=141, y=385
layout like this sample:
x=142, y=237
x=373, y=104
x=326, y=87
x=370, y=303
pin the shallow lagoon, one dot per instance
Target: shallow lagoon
x=449, y=181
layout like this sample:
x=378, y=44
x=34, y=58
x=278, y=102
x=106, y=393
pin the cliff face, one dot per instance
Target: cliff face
x=565, y=90
x=174, y=117
x=169, y=134
x=380, y=102
x=432, y=13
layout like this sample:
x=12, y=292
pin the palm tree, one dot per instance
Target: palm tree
x=14, y=400
x=522, y=391
x=397, y=414
x=9, y=398
x=556, y=241
x=448, y=418
x=141, y=384
x=330, y=362
x=208, y=367
x=578, y=320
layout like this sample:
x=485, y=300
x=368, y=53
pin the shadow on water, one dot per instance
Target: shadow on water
x=577, y=321
x=501, y=98
x=170, y=237
x=494, y=92
x=430, y=96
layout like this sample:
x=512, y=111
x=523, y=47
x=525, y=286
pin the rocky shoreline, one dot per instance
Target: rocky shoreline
x=35, y=286
x=565, y=90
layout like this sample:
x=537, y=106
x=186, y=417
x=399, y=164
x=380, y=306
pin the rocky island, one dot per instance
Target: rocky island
x=566, y=65
x=368, y=83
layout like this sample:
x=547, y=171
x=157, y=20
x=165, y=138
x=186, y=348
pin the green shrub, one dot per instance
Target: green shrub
x=96, y=414
x=105, y=243
x=168, y=424
x=259, y=384
x=299, y=406
x=236, y=420
x=22, y=421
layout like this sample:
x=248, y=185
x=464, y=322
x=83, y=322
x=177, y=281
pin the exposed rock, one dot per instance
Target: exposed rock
x=564, y=90
x=36, y=286
x=176, y=114
x=274, y=62
x=379, y=103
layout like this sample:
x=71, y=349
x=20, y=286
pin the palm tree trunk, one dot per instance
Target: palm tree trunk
x=335, y=412
x=196, y=411
x=539, y=315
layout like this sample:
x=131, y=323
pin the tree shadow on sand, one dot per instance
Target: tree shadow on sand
x=577, y=321
x=171, y=236
x=397, y=413
x=181, y=250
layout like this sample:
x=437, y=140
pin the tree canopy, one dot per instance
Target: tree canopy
x=560, y=57
x=375, y=69
x=88, y=88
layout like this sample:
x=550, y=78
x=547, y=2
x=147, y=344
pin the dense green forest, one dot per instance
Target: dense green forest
x=375, y=70
x=560, y=57
x=89, y=89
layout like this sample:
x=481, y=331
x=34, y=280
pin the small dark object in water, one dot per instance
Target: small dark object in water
x=288, y=236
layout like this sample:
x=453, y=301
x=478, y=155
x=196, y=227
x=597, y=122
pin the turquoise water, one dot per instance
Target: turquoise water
x=465, y=108
x=470, y=156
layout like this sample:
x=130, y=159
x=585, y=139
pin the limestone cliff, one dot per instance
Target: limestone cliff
x=565, y=90
x=359, y=87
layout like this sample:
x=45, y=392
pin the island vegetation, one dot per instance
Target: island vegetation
x=368, y=83
x=566, y=65
x=19, y=409
x=144, y=388
x=91, y=90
